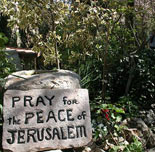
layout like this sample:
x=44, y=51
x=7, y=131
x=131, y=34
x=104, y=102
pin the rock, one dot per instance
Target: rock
x=26, y=80
x=151, y=150
x=150, y=117
x=146, y=132
x=153, y=106
x=140, y=124
x=88, y=149
x=41, y=79
x=42, y=119
x=92, y=147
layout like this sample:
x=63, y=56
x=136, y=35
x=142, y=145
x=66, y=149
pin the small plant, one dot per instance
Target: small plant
x=3, y=40
x=6, y=67
x=109, y=131
x=107, y=120
x=128, y=105
x=135, y=146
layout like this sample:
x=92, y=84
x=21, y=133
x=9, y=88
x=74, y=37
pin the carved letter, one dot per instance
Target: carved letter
x=21, y=134
x=51, y=115
x=69, y=114
x=15, y=99
x=40, y=116
x=59, y=115
x=50, y=99
x=40, y=100
x=11, y=141
x=28, y=115
x=31, y=133
x=28, y=98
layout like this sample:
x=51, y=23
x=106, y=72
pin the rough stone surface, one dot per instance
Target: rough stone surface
x=26, y=80
x=31, y=79
x=150, y=117
x=44, y=119
x=146, y=133
x=151, y=150
x=92, y=147
x=13, y=54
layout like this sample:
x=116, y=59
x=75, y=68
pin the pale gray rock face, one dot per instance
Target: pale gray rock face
x=37, y=85
x=151, y=150
x=147, y=135
x=31, y=79
x=43, y=119
x=150, y=117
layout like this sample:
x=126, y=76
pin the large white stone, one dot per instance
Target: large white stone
x=45, y=119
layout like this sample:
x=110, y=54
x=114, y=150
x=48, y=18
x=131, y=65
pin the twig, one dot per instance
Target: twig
x=113, y=139
x=18, y=76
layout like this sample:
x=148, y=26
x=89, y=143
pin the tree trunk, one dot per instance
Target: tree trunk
x=18, y=41
x=131, y=76
x=57, y=56
x=104, y=74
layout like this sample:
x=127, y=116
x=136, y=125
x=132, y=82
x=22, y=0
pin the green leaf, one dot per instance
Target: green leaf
x=119, y=110
x=118, y=118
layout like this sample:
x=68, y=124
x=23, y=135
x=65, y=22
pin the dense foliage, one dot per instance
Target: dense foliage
x=5, y=69
x=105, y=42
